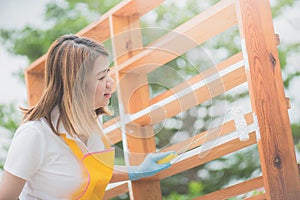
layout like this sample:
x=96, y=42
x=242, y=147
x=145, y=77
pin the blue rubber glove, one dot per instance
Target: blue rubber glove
x=149, y=167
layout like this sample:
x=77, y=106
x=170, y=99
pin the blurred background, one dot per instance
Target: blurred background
x=27, y=28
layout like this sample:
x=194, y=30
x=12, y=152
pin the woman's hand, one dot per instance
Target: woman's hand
x=149, y=166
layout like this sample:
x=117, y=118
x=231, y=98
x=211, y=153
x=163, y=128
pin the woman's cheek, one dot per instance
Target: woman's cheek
x=99, y=94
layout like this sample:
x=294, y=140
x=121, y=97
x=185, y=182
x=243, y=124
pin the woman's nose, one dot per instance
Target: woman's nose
x=110, y=82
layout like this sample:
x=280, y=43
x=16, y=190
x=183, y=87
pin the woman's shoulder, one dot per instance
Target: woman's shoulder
x=31, y=128
x=30, y=125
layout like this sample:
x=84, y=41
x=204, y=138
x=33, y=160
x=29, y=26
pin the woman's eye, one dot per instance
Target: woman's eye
x=101, y=78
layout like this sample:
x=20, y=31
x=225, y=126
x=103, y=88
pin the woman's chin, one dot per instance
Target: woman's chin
x=102, y=105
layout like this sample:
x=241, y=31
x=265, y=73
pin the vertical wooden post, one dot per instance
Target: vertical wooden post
x=35, y=86
x=133, y=95
x=276, y=147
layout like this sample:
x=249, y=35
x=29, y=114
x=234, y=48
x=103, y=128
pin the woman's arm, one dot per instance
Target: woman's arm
x=10, y=186
x=120, y=174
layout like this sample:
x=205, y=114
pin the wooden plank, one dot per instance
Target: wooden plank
x=37, y=66
x=276, y=147
x=224, y=65
x=115, y=191
x=258, y=197
x=35, y=80
x=179, y=104
x=207, y=135
x=115, y=135
x=229, y=81
x=237, y=189
x=146, y=189
x=199, y=29
x=35, y=86
x=100, y=30
x=202, y=75
x=136, y=7
x=212, y=154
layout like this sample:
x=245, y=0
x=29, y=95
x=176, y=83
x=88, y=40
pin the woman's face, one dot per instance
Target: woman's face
x=100, y=82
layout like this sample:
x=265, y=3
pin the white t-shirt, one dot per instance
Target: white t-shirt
x=51, y=170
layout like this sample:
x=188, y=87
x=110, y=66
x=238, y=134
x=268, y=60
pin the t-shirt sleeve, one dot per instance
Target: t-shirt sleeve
x=25, y=153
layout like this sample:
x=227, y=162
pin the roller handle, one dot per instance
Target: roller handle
x=167, y=158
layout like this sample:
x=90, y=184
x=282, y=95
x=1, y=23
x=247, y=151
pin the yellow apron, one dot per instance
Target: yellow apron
x=98, y=169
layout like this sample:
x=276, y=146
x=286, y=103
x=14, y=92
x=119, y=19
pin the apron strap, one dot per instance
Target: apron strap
x=74, y=147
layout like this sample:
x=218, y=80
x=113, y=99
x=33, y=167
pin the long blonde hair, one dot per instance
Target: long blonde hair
x=70, y=60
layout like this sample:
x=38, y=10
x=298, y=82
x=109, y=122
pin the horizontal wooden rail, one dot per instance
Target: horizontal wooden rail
x=202, y=75
x=258, y=197
x=234, y=190
x=195, y=160
x=203, y=157
x=189, y=95
x=207, y=135
x=178, y=103
x=100, y=30
x=231, y=191
x=115, y=190
x=116, y=135
x=199, y=29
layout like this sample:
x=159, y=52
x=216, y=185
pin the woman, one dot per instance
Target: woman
x=59, y=151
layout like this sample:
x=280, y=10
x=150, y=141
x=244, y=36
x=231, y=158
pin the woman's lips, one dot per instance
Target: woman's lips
x=107, y=95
